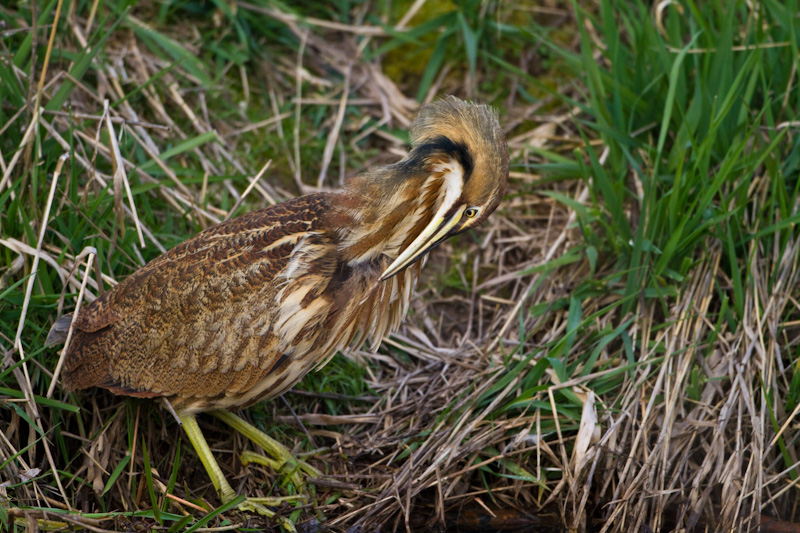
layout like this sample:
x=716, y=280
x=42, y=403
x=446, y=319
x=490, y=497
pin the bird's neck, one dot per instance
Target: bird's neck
x=385, y=213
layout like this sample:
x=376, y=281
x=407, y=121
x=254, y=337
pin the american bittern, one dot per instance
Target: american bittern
x=240, y=312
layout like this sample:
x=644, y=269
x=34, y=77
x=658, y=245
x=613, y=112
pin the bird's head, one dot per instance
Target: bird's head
x=461, y=155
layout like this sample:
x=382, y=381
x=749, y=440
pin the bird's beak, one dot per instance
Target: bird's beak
x=430, y=236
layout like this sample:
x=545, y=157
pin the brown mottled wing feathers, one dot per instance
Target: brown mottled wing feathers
x=196, y=321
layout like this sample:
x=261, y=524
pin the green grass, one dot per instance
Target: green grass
x=673, y=297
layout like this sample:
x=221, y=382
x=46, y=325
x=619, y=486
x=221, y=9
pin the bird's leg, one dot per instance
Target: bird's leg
x=282, y=459
x=225, y=491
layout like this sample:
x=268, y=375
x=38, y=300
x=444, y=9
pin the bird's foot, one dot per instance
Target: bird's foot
x=259, y=505
x=280, y=458
x=224, y=489
x=293, y=468
x=250, y=506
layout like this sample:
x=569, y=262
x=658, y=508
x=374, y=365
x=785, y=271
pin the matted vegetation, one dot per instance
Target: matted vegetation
x=616, y=348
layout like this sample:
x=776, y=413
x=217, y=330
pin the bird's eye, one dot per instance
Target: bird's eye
x=472, y=212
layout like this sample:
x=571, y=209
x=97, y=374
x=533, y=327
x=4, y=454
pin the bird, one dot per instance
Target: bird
x=242, y=311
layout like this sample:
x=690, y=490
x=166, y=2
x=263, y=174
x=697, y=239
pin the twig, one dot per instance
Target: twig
x=90, y=252
x=119, y=172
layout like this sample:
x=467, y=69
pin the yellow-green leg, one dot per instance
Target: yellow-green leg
x=224, y=489
x=283, y=460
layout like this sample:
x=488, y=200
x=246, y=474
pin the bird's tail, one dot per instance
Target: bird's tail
x=86, y=363
x=58, y=333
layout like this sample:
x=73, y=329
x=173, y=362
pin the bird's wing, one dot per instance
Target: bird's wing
x=203, y=310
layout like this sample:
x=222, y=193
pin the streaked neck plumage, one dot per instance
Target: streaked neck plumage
x=389, y=207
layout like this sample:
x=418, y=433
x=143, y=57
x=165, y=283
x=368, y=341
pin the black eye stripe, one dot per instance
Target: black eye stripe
x=444, y=145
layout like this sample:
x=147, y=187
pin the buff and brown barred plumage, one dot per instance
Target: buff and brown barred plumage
x=240, y=312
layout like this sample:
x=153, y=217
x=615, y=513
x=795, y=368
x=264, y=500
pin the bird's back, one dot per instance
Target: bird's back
x=238, y=313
